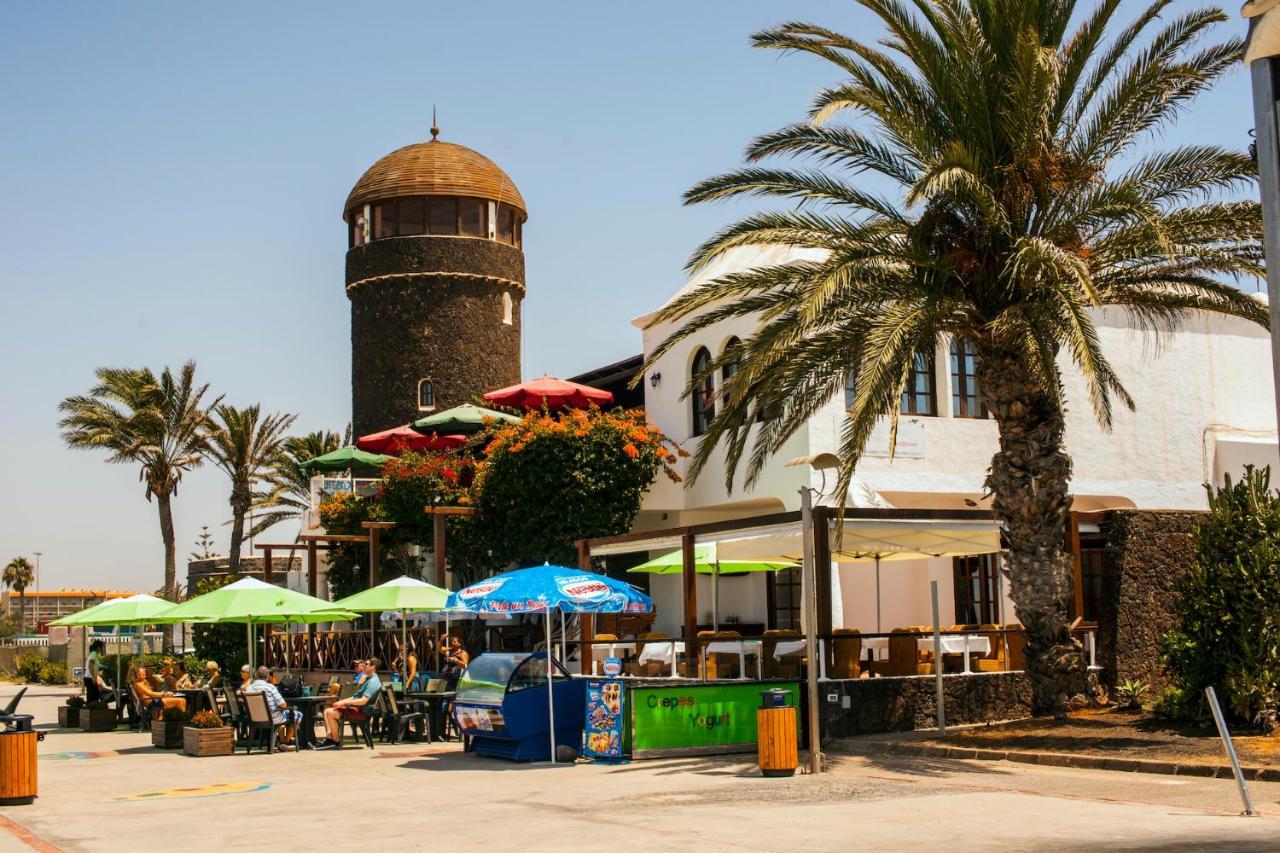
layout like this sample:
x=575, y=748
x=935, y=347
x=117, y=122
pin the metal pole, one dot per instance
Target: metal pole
x=1229, y=747
x=1267, y=137
x=878, y=628
x=551, y=693
x=810, y=587
x=937, y=660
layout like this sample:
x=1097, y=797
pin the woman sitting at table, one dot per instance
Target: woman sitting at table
x=169, y=674
x=156, y=700
x=212, y=675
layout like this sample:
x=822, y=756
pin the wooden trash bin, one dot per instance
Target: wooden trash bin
x=776, y=734
x=18, y=767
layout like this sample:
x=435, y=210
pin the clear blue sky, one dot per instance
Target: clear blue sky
x=173, y=176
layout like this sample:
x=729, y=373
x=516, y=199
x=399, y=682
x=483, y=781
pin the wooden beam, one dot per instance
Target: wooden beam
x=450, y=510
x=1077, y=567
x=327, y=537
x=438, y=546
x=379, y=525
x=375, y=554
x=266, y=564
x=276, y=546
x=689, y=578
x=313, y=570
x=586, y=624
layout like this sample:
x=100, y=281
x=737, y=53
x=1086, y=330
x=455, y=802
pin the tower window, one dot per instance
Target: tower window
x=411, y=217
x=704, y=405
x=506, y=223
x=426, y=395
x=506, y=308
x=444, y=215
x=472, y=215
x=384, y=220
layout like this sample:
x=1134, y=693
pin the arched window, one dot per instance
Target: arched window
x=918, y=397
x=506, y=308
x=704, y=405
x=426, y=396
x=966, y=399
x=732, y=350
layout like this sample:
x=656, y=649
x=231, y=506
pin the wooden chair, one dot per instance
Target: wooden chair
x=846, y=652
x=788, y=667
x=255, y=704
x=904, y=657
x=1016, y=643
x=715, y=668
x=653, y=668
x=994, y=660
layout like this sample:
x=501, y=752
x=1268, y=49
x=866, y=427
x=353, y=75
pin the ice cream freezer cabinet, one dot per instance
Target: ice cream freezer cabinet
x=503, y=706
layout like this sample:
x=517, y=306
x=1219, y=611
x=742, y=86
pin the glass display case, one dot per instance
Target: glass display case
x=502, y=704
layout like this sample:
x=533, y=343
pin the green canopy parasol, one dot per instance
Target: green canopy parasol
x=254, y=602
x=465, y=419
x=706, y=561
x=343, y=458
x=401, y=595
x=134, y=610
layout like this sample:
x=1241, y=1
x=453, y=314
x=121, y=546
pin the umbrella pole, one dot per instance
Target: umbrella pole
x=878, y=629
x=116, y=630
x=288, y=646
x=551, y=694
x=404, y=651
x=248, y=643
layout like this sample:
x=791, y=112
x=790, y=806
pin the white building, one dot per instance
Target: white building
x=1204, y=408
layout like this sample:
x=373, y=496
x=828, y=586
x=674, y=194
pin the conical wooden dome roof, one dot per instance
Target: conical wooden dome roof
x=434, y=168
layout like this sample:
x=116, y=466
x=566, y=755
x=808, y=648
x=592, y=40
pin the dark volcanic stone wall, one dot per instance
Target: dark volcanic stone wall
x=1149, y=551
x=429, y=308
x=906, y=704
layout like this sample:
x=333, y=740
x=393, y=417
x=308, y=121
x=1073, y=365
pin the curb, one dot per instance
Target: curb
x=1062, y=759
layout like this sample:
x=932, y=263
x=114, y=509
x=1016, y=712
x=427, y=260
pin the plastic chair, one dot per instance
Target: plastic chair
x=234, y=713
x=396, y=720
x=259, y=721
x=362, y=728
x=212, y=699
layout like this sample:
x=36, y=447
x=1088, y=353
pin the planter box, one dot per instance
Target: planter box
x=202, y=742
x=167, y=734
x=68, y=717
x=98, y=719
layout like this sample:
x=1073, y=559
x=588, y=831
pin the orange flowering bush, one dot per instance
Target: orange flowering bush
x=554, y=478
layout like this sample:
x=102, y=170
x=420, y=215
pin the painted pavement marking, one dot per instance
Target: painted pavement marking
x=217, y=790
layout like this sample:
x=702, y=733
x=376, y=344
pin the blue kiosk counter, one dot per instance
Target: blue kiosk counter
x=502, y=705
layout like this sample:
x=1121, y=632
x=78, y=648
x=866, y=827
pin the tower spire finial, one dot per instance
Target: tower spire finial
x=435, y=130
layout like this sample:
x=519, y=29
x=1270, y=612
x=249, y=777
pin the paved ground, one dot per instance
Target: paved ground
x=114, y=791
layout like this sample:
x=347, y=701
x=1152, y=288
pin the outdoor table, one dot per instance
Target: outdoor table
x=307, y=727
x=788, y=647
x=662, y=651
x=436, y=700
x=958, y=644
x=613, y=648
x=195, y=697
x=741, y=648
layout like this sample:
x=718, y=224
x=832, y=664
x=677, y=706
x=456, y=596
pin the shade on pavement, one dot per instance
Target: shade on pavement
x=342, y=459
x=549, y=392
x=466, y=419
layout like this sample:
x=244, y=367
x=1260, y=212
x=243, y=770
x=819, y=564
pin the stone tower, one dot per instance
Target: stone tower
x=435, y=275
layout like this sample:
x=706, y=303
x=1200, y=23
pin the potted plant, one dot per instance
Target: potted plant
x=206, y=734
x=166, y=732
x=97, y=717
x=69, y=714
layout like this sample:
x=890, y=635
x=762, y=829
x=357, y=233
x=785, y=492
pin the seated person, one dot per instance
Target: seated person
x=212, y=675
x=358, y=667
x=156, y=700
x=169, y=674
x=354, y=708
x=153, y=676
x=185, y=681
x=286, y=720
x=246, y=676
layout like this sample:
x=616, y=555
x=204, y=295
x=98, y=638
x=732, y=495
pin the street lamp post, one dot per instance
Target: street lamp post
x=1263, y=63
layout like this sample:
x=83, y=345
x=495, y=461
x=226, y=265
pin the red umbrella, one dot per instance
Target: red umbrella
x=550, y=392
x=404, y=438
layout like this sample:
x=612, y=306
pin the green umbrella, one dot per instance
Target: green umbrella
x=343, y=458
x=706, y=561
x=465, y=419
x=254, y=602
x=401, y=595
x=138, y=609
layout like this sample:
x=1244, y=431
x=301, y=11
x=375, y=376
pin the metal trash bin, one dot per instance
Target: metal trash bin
x=18, y=743
x=776, y=740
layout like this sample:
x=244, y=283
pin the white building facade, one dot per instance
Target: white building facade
x=1204, y=407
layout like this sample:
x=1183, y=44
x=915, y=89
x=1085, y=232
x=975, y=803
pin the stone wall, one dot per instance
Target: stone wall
x=430, y=308
x=1148, y=552
x=905, y=704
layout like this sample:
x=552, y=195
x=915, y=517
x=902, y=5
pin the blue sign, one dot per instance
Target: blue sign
x=603, y=739
x=612, y=667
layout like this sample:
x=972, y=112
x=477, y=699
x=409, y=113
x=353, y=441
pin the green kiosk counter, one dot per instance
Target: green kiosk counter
x=667, y=718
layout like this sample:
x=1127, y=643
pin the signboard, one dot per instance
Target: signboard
x=910, y=443
x=482, y=719
x=612, y=667
x=604, y=720
x=696, y=718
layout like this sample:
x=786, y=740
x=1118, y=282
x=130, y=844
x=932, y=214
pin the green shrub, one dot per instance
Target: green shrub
x=1227, y=608
x=206, y=720
x=75, y=702
x=54, y=673
x=1129, y=694
x=29, y=667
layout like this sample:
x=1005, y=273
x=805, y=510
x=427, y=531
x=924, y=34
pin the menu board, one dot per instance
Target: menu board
x=604, y=720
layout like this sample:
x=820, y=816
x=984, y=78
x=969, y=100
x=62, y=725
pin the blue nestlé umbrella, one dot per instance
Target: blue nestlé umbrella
x=543, y=589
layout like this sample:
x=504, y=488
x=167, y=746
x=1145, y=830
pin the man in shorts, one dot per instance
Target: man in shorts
x=355, y=708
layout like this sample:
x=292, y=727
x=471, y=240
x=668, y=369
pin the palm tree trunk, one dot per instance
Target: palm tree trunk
x=165, y=508
x=239, y=509
x=22, y=610
x=1029, y=479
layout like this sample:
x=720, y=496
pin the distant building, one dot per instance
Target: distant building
x=49, y=604
x=285, y=571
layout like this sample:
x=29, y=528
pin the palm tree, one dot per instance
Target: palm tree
x=245, y=444
x=290, y=493
x=1020, y=204
x=156, y=423
x=19, y=574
